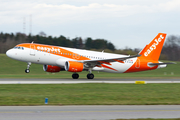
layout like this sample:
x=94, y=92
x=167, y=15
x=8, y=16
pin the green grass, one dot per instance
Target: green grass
x=86, y=94
x=90, y=94
x=10, y=68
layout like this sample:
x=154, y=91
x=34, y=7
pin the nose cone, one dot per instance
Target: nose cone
x=10, y=53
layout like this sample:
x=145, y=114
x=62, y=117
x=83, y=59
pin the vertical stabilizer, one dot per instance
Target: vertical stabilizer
x=152, y=51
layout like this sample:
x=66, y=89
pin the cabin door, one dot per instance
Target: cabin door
x=32, y=50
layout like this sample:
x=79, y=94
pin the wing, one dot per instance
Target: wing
x=93, y=63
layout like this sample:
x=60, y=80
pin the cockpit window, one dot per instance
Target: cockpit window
x=21, y=48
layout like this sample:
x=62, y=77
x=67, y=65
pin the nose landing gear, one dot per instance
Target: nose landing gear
x=27, y=71
x=28, y=66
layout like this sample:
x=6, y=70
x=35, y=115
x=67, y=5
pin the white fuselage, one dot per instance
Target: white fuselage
x=55, y=58
x=47, y=58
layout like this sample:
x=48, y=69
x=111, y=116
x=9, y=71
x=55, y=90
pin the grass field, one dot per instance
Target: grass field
x=90, y=94
x=86, y=94
x=10, y=68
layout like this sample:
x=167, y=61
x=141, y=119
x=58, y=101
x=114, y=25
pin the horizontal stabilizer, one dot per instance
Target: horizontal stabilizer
x=161, y=63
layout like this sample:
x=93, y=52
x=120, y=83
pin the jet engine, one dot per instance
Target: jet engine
x=50, y=68
x=73, y=66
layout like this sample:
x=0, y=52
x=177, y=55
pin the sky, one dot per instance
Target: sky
x=125, y=23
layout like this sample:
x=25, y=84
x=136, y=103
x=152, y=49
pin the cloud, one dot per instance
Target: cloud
x=44, y=12
x=91, y=18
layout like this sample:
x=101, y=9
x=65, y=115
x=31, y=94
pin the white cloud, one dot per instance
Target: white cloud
x=44, y=12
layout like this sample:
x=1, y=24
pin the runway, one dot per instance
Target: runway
x=85, y=112
x=102, y=112
x=76, y=81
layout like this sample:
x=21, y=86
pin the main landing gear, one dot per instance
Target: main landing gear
x=89, y=75
x=28, y=66
x=75, y=76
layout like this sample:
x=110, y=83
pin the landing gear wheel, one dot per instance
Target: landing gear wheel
x=75, y=76
x=90, y=76
x=28, y=66
x=27, y=71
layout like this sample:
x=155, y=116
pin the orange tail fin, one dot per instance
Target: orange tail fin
x=152, y=51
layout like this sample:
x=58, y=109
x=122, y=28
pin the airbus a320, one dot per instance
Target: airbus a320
x=56, y=59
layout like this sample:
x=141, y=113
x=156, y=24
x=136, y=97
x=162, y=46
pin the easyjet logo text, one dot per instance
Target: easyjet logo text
x=48, y=49
x=153, y=46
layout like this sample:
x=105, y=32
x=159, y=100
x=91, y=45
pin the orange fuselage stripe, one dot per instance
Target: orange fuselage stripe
x=55, y=51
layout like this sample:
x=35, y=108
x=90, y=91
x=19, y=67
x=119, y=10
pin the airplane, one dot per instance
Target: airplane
x=56, y=59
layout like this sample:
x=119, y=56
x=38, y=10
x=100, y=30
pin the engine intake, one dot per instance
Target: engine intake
x=50, y=68
x=73, y=66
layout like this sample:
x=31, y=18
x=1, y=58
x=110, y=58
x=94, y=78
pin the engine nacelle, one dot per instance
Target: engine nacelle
x=50, y=68
x=73, y=66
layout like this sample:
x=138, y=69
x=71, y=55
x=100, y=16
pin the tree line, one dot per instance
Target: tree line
x=9, y=40
x=170, y=51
